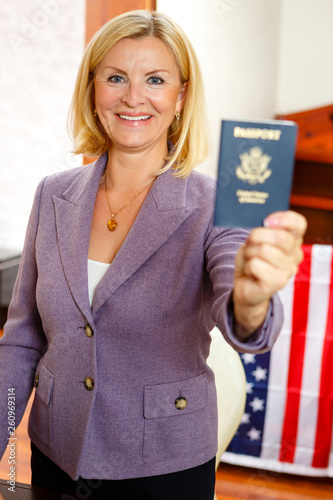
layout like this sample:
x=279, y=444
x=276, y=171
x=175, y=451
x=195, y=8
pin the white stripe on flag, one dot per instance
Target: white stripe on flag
x=278, y=379
x=315, y=334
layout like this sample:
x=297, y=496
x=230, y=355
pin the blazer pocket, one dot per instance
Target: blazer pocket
x=175, y=418
x=40, y=421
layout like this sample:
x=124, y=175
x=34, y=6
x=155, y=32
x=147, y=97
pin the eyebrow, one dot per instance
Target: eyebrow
x=148, y=73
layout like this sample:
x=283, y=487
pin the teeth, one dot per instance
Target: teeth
x=134, y=118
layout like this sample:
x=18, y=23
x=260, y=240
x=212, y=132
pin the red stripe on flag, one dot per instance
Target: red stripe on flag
x=325, y=410
x=296, y=359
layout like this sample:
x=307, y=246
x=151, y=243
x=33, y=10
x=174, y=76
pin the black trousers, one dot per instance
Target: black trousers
x=197, y=483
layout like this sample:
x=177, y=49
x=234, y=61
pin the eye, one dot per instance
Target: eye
x=155, y=80
x=115, y=79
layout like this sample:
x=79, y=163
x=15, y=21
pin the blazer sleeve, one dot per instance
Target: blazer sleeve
x=220, y=252
x=23, y=341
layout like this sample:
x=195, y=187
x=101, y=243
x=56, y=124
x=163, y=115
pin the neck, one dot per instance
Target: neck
x=131, y=171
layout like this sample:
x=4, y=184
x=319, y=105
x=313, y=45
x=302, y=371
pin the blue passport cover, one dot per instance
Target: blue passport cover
x=255, y=171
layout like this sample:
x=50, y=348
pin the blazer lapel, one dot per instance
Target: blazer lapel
x=164, y=210
x=74, y=211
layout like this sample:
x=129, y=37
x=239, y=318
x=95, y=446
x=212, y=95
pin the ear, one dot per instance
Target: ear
x=182, y=97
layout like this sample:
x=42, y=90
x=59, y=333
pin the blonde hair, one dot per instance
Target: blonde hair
x=188, y=134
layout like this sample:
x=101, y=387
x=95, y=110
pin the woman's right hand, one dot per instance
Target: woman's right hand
x=264, y=264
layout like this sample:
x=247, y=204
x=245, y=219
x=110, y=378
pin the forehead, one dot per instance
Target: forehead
x=147, y=51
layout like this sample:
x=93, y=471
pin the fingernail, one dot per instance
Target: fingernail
x=270, y=222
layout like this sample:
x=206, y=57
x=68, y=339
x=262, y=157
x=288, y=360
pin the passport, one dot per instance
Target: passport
x=255, y=171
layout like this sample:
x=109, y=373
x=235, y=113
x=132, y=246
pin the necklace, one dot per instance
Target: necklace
x=112, y=223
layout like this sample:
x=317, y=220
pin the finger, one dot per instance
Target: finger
x=267, y=277
x=280, y=238
x=289, y=220
x=273, y=256
x=278, y=247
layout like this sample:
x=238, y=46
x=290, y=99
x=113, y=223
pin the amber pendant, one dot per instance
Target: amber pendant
x=112, y=225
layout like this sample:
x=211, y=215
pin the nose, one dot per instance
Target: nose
x=133, y=96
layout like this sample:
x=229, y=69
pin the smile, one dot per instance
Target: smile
x=135, y=118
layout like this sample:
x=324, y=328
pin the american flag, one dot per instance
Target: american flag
x=288, y=420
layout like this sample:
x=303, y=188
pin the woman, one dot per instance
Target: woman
x=123, y=276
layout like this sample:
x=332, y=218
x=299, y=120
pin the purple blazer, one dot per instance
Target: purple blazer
x=107, y=377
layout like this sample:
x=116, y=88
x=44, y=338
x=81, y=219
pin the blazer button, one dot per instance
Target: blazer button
x=36, y=380
x=181, y=403
x=88, y=330
x=89, y=383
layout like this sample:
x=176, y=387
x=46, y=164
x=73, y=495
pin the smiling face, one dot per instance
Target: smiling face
x=137, y=93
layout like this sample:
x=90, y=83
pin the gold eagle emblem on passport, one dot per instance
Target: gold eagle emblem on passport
x=254, y=166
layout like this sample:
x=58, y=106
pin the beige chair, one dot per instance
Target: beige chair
x=231, y=389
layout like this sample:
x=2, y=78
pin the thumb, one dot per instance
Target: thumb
x=239, y=260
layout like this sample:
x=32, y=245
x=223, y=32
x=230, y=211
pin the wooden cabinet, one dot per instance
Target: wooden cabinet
x=9, y=263
x=98, y=12
x=312, y=190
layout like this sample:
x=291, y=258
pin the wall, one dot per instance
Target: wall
x=258, y=58
x=237, y=45
x=41, y=44
x=305, y=55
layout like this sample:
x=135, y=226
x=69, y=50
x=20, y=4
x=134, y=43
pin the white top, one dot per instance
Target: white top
x=96, y=271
